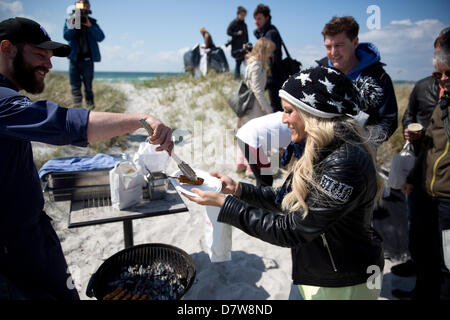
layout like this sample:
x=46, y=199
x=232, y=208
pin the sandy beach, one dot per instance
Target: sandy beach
x=257, y=271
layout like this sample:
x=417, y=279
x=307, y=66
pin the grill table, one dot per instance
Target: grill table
x=98, y=210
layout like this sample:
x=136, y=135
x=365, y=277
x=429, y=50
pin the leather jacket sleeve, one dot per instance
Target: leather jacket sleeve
x=344, y=177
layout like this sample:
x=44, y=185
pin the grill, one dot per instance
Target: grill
x=102, y=281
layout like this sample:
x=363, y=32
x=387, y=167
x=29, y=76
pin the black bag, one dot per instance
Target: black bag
x=192, y=59
x=217, y=60
x=241, y=99
x=290, y=66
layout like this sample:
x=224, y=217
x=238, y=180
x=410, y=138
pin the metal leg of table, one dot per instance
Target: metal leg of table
x=128, y=233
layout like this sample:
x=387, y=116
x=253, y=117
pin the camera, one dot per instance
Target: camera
x=84, y=11
x=240, y=53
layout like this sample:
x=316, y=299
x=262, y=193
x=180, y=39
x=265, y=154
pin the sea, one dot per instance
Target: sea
x=114, y=77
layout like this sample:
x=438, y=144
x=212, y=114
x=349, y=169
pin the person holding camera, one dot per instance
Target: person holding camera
x=83, y=34
x=256, y=78
x=238, y=32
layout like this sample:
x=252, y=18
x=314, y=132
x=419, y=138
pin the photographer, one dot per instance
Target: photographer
x=237, y=30
x=83, y=34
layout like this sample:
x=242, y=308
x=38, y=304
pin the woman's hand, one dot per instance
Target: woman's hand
x=207, y=198
x=229, y=186
x=407, y=188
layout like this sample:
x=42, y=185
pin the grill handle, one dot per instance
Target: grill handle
x=90, y=286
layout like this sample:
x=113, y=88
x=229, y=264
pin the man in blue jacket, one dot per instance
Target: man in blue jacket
x=358, y=60
x=83, y=37
x=32, y=263
x=275, y=79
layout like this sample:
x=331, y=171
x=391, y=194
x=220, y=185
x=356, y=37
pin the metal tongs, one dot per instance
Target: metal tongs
x=184, y=167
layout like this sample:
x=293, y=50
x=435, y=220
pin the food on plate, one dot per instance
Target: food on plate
x=183, y=179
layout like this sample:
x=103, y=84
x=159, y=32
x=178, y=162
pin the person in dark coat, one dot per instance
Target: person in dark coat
x=32, y=262
x=238, y=32
x=275, y=79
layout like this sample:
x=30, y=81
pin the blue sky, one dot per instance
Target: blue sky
x=152, y=35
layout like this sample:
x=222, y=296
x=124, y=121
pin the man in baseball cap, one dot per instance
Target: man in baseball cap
x=29, y=49
x=22, y=30
x=32, y=262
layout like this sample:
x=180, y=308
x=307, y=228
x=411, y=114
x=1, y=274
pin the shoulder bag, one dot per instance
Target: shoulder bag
x=241, y=99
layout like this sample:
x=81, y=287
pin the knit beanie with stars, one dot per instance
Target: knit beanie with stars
x=328, y=93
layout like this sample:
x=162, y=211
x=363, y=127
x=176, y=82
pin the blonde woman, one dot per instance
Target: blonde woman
x=323, y=211
x=256, y=78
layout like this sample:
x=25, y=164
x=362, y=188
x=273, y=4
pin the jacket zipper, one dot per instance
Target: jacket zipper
x=433, y=180
x=325, y=243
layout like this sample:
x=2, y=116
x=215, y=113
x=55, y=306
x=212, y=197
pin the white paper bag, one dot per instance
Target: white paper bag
x=217, y=236
x=147, y=156
x=126, y=185
x=401, y=165
x=446, y=247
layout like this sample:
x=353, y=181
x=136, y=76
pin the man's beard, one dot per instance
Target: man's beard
x=25, y=75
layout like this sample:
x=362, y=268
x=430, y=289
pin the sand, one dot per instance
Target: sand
x=257, y=271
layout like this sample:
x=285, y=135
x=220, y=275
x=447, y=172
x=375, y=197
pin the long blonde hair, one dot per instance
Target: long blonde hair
x=262, y=50
x=320, y=133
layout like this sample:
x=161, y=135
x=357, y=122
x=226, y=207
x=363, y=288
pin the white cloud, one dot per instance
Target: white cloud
x=406, y=47
x=402, y=22
x=10, y=9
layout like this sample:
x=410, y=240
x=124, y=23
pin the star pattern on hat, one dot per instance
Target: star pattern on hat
x=303, y=77
x=331, y=70
x=309, y=99
x=327, y=84
x=337, y=104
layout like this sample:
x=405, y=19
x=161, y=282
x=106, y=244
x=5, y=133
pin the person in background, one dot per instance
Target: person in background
x=207, y=38
x=255, y=78
x=422, y=102
x=323, y=211
x=32, y=263
x=83, y=41
x=265, y=28
x=238, y=32
x=357, y=60
x=430, y=182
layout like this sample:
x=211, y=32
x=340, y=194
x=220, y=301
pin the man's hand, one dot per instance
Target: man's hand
x=162, y=135
x=412, y=135
x=88, y=22
x=407, y=188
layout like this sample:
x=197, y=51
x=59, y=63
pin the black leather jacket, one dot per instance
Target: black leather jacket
x=335, y=244
x=422, y=101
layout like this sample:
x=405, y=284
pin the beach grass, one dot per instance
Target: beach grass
x=107, y=99
x=396, y=141
x=209, y=97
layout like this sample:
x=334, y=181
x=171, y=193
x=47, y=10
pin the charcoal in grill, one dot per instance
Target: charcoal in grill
x=146, y=272
x=157, y=282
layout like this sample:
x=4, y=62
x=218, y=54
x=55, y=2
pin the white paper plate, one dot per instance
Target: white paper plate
x=210, y=184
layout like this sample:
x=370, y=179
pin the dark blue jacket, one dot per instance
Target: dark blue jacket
x=385, y=116
x=95, y=35
x=30, y=253
x=269, y=31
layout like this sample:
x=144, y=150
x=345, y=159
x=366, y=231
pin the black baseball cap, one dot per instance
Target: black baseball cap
x=22, y=30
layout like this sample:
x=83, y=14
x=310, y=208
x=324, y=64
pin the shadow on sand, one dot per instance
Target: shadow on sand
x=237, y=277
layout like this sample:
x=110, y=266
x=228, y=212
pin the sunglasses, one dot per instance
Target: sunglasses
x=438, y=75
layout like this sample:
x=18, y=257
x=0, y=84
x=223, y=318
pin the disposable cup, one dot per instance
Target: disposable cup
x=415, y=127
